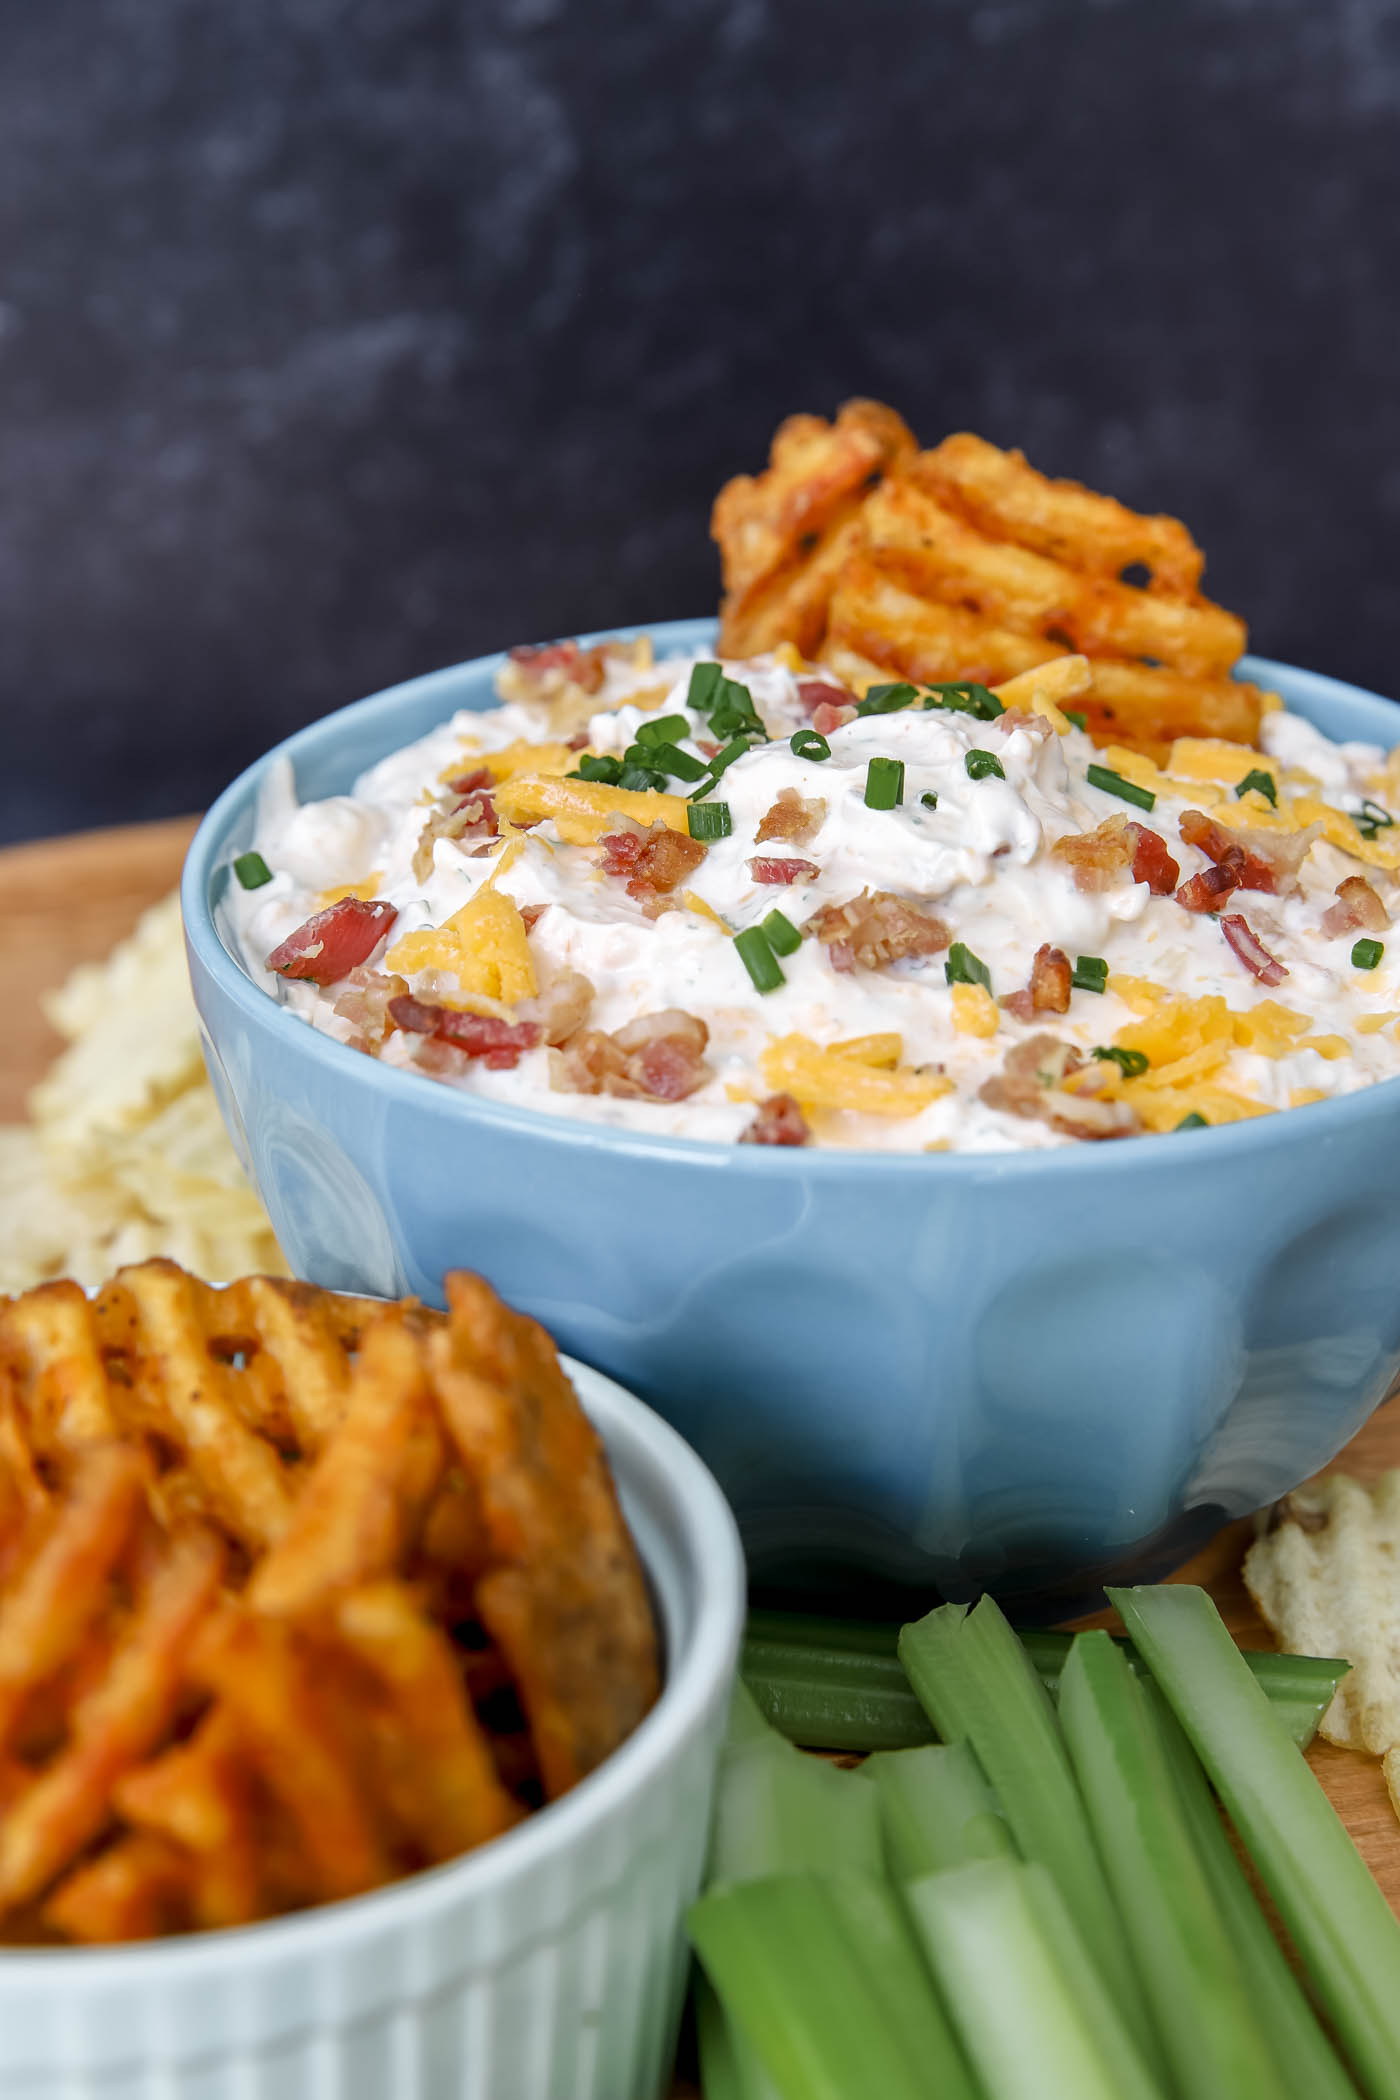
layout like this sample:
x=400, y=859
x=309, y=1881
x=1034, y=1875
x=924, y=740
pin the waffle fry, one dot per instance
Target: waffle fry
x=298, y=1594
x=964, y=562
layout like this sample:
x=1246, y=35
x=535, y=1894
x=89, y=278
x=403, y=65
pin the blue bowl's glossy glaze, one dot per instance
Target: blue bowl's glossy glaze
x=1031, y=1372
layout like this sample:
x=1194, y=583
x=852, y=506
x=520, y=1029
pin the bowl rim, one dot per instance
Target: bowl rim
x=1225, y=1141
x=641, y=1444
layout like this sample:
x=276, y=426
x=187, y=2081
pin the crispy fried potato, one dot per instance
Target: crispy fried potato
x=783, y=534
x=136, y=1890
x=48, y=1347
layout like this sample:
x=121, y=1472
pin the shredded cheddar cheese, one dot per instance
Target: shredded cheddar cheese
x=582, y=810
x=366, y=887
x=883, y=1051
x=974, y=1010
x=694, y=902
x=484, y=945
x=817, y=1078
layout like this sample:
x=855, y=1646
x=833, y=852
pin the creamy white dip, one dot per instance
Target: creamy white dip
x=980, y=858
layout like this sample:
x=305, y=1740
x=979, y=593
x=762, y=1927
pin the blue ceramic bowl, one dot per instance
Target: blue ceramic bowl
x=1029, y=1372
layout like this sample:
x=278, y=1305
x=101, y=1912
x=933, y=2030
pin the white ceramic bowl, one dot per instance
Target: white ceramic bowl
x=547, y=1966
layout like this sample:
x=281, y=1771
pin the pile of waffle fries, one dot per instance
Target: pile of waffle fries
x=298, y=1593
x=963, y=562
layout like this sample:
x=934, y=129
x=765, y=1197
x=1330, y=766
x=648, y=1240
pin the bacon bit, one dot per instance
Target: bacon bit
x=1034, y=725
x=543, y=663
x=1208, y=890
x=1031, y=1083
x=875, y=929
x=473, y=816
x=499, y=1044
x=1251, y=951
x=532, y=914
x=1152, y=863
x=1228, y=849
x=654, y=861
x=365, y=1005
x=813, y=693
x=1358, y=908
x=577, y=742
x=707, y=746
x=659, y=1057
x=1050, y=986
x=791, y=818
x=468, y=783
x=777, y=1121
x=764, y=870
x=828, y=717
x=1098, y=858
x=334, y=941
x=561, y=1007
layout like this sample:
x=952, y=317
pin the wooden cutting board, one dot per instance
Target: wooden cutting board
x=67, y=900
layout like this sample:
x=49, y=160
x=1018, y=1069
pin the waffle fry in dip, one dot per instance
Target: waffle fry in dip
x=298, y=1593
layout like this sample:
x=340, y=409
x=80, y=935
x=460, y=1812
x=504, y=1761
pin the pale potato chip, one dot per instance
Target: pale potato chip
x=1326, y=1578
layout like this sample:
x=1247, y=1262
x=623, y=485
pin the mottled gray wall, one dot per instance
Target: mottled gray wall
x=342, y=338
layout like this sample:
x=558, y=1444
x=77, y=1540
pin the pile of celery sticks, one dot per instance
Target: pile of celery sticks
x=1045, y=1904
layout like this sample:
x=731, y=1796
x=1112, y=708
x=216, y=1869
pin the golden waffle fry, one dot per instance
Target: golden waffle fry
x=138, y=1888
x=49, y=1348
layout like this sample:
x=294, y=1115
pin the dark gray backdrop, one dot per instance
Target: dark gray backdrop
x=343, y=338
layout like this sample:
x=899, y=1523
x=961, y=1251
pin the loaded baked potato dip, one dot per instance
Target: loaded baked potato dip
x=875, y=899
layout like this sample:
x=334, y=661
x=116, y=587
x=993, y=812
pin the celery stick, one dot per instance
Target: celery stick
x=936, y=1810
x=1026, y=1998
x=821, y=1979
x=836, y=1684
x=973, y=1677
x=729, y=2070
x=1307, y=2067
x=1184, y=1956
x=1340, y=1923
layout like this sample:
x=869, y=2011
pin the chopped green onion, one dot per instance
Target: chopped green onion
x=1344, y=1930
x=679, y=764
x=1027, y=1998
x=1195, y=1121
x=961, y=966
x=662, y=729
x=965, y=697
x=642, y=779
x=732, y=712
x=709, y=820
x=983, y=764
x=758, y=959
x=1114, y=784
x=884, y=783
x=705, y=681
x=739, y=747
x=252, y=870
x=1090, y=974
x=1131, y=1063
x=1371, y=818
x=1072, y=714
x=887, y=699
x=598, y=766
x=936, y=1810
x=929, y=799
x=978, y=1685
x=1185, y=1961
x=1262, y=783
x=809, y=743
x=822, y=1981
x=1366, y=954
x=783, y=936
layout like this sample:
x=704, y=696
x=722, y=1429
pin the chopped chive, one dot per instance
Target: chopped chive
x=965, y=697
x=1114, y=784
x=1262, y=783
x=756, y=954
x=783, y=936
x=1371, y=818
x=929, y=799
x=641, y=780
x=1195, y=1121
x=963, y=967
x=598, y=766
x=884, y=783
x=679, y=764
x=732, y=712
x=1131, y=1063
x=704, y=683
x=252, y=870
x=1090, y=974
x=887, y=699
x=709, y=820
x=662, y=729
x=983, y=765
x=1072, y=714
x=721, y=763
x=1366, y=954
x=809, y=743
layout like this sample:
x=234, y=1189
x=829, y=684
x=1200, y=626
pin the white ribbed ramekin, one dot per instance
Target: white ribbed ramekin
x=547, y=1966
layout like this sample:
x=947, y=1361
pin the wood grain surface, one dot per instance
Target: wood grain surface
x=67, y=900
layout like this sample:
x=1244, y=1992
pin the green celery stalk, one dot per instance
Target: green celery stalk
x=974, y=1679
x=836, y=1684
x=1185, y=1958
x=1027, y=2000
x=821, y=1979
x=1307, y=2066
x=1340, y=1923
x=729, y=2070
x=936, y=1810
